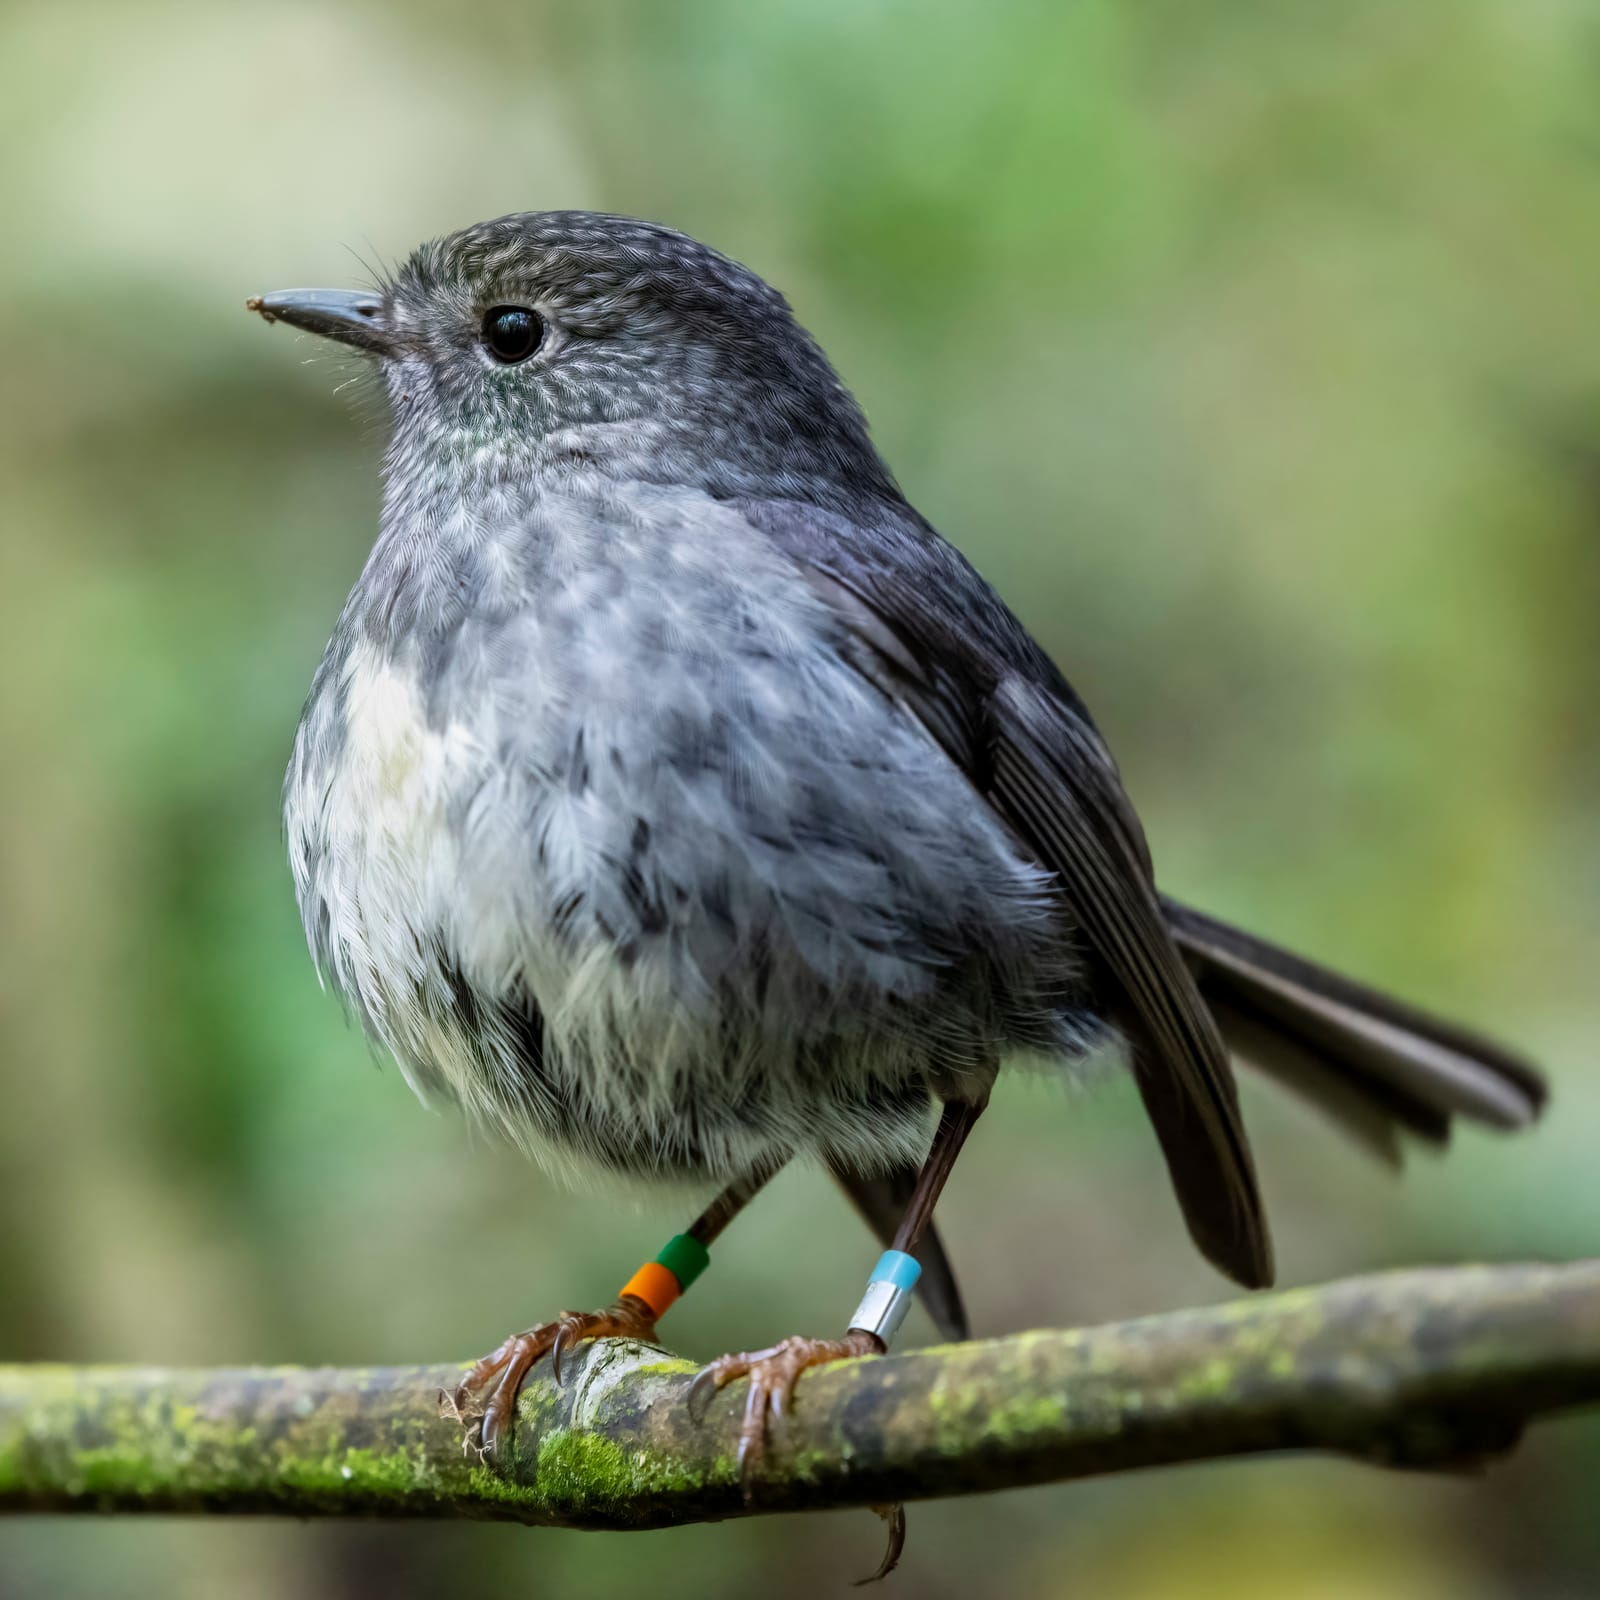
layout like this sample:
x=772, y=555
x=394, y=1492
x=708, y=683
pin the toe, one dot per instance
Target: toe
x=773, y=1374
x=568, y=1332
x=719, y=1374
x=752, y=1437
x=485, y=1400
x=895, y=1516
x=701, y=1392
x=497, y=1413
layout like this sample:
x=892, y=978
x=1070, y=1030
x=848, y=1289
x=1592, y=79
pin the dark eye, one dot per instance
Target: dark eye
x=512, y=333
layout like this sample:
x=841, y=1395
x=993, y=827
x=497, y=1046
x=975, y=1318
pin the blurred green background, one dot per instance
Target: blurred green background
x=1249, y=349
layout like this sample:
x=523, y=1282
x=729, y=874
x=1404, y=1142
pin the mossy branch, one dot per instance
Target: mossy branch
x=1432, y=1368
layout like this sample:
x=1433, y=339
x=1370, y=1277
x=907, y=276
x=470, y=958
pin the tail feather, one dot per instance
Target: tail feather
x=1375, y=1064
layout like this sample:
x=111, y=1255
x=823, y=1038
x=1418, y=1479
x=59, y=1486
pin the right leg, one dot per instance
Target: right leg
x=484, y=1402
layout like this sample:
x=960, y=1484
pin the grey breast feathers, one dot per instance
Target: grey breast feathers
x=642, y=816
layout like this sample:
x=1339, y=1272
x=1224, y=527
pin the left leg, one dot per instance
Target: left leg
x=485, y=1400
x=773, y=1372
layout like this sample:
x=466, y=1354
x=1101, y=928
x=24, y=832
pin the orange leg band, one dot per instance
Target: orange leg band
x=656, y=1286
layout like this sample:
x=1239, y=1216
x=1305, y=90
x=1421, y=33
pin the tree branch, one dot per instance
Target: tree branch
x=1433, y=1368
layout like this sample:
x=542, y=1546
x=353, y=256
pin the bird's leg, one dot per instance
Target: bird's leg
x=484, y=1402
x=773, y=1372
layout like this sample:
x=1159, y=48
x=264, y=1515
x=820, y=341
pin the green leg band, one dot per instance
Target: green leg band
x=684, y=1257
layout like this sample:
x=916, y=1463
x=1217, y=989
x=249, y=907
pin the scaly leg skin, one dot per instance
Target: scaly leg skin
x=773, y=1374
x=484, y=1402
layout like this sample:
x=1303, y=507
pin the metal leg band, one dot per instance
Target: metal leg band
x=888, y=1298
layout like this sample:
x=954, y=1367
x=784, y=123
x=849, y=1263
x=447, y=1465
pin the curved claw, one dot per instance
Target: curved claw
x=752, y=1435
x=498, y=1412
x=485, y=1400
x=702, y=1391
x=895, y=1516
x=566, y=1338
x=716, y=1375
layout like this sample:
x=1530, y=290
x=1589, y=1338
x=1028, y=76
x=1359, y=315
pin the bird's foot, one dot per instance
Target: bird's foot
x=773, y=1374
x=485, y=1401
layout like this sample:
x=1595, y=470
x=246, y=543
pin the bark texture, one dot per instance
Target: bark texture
x=1426, y=1369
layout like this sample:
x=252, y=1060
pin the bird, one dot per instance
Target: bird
x=673, y=799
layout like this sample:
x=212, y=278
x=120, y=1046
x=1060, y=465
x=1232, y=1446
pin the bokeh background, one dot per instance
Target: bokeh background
x=1251, y=350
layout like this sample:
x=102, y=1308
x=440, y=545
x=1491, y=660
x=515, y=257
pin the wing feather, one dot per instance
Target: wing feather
x=918, y=619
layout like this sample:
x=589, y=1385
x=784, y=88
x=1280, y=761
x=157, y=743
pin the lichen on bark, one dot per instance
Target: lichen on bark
x=1421, y=1369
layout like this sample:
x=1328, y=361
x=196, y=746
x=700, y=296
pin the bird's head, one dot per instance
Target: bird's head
x=554, y=341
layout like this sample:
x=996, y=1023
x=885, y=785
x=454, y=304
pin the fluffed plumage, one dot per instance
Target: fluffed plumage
x=673, y=797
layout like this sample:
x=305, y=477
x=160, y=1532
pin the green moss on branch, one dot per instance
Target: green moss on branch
x=1423, y=1369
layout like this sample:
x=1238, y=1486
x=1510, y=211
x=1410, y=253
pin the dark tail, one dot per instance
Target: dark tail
x=1375, y=1065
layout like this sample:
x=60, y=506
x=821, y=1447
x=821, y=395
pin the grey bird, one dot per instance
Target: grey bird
x=673, y=799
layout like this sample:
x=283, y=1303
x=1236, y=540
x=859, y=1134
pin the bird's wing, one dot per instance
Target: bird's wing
x=919, y=619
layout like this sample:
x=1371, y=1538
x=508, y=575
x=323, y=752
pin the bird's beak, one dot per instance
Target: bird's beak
x=351, y=318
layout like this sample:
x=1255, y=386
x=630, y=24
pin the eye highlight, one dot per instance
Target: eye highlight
x=512, y=333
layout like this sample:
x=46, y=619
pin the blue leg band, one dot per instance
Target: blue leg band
x=883, y=1307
